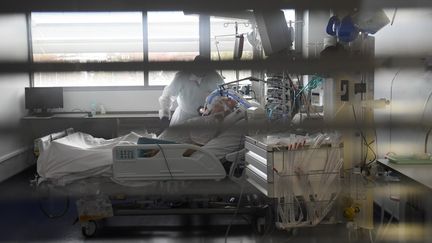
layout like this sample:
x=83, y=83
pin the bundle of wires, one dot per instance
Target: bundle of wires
x=312, y=84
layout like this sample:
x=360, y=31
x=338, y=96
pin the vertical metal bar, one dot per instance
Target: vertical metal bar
x=298, y=35
x=204, y=35
x=145, y=46
x=29, y=49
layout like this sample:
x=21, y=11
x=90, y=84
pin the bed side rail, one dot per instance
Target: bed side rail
x=40, y=144
x=165, y=162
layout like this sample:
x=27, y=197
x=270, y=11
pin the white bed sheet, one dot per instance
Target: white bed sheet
x=78, y=156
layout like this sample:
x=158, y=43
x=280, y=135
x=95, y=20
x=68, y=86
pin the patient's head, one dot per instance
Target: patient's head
x=220, y=106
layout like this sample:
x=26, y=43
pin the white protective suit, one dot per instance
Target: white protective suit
x=190, y=92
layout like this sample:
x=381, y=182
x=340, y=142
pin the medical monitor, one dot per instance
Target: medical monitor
x=273, y=30
x=43, y=98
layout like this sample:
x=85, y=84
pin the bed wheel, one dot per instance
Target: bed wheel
x=89, y=229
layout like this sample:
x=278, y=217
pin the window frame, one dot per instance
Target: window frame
x=204, y=49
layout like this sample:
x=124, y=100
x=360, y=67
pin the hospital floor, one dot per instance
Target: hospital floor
x=21, y=219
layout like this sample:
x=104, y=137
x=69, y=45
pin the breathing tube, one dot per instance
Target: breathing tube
x=228, y=93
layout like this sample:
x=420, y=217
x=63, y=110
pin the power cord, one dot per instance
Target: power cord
x=391, y=106
x=422, y=119
x=235, y=213
x=427, y=139
x=165, y=159
x=241, y=192
x=368, y=145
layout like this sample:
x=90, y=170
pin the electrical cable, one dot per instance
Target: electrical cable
x=425, y=106
x=394, y=17
x=309, y=106
x=243, y=79
x=237, y=156
x=374, y=154
x=376, y=140
x=315, y=81
x=298, y=78
x=240, y=196
x=422, y=119
x=368, y=145
x=427, y=139
x=378, y=238
x=370, y=236
x=166, y=161
x=391, y=107
x=235, y=213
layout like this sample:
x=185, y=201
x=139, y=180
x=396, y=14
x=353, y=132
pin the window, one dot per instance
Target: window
x=121, y=37
x=172, y=36
x=87, y=37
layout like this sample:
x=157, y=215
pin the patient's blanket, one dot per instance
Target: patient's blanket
x=78, y=156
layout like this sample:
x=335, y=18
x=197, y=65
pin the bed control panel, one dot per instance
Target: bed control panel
x=125, y=153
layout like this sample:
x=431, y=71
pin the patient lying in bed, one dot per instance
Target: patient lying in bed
x=220, y=130
x=219, y=137
x=80, y=155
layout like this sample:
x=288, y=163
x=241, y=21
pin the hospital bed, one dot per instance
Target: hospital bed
x=159, y=179
x=278, y=186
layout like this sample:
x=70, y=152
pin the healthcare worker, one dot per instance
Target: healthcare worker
x=190, y=89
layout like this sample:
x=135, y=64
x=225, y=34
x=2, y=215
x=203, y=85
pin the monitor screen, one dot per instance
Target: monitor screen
x=43, y=98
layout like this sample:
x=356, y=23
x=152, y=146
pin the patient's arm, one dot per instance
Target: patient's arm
x=176, y=134
x=189, y=152
x=148, y=153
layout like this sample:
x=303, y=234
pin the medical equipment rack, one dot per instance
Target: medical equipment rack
x=303, y=182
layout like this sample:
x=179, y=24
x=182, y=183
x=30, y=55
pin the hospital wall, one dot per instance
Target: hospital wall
x=113, y=99
x=14, y=146
x=409, y=35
